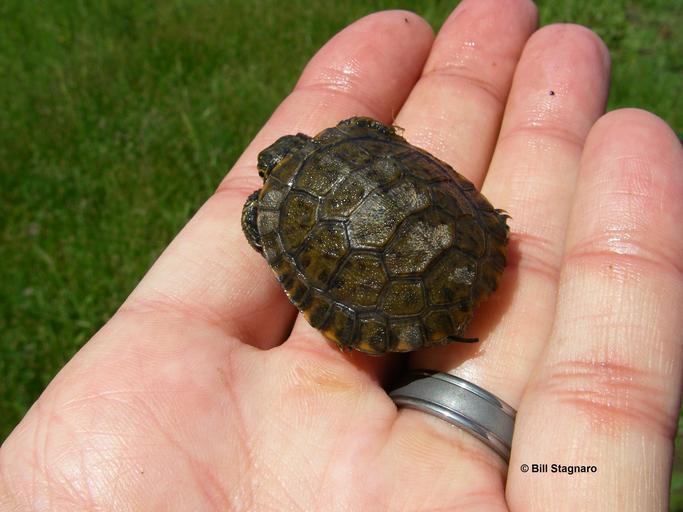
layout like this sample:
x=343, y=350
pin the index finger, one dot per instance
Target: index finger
x=209, y=271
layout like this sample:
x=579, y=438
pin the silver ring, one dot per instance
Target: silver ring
x=460, y=403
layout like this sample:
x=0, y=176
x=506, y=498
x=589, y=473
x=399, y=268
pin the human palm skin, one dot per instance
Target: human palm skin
x=206, y=391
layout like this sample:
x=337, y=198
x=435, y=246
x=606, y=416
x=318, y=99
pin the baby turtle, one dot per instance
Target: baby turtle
x=382, y=246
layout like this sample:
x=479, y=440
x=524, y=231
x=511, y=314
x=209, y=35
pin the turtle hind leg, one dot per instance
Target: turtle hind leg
x=462, y=340
x=249, y=214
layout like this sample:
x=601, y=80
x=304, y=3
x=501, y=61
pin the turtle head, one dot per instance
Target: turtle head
x=270, y=157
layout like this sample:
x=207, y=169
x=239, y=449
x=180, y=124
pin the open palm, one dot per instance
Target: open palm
x=207, y=392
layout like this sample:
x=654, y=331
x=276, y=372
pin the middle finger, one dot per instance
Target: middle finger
x=455, y=109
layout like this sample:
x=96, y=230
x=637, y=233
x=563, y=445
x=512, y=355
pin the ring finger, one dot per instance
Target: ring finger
x=532, y=176
x=559, y=91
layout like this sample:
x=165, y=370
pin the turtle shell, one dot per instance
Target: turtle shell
x=382, y=246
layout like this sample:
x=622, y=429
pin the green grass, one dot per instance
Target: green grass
x=119, y=117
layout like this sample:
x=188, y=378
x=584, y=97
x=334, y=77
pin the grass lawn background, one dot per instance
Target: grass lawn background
x=118, y=118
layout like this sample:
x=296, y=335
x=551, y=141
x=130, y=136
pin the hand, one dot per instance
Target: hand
x=196, y=395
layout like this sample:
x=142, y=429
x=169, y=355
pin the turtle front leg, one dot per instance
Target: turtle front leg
x=249, y=214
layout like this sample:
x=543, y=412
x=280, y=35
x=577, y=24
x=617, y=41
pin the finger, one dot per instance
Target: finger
x=209, y=272
x=463, y=87
x=532, y=176
x=456, y=107
x=455, y=111
x=606, y=392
